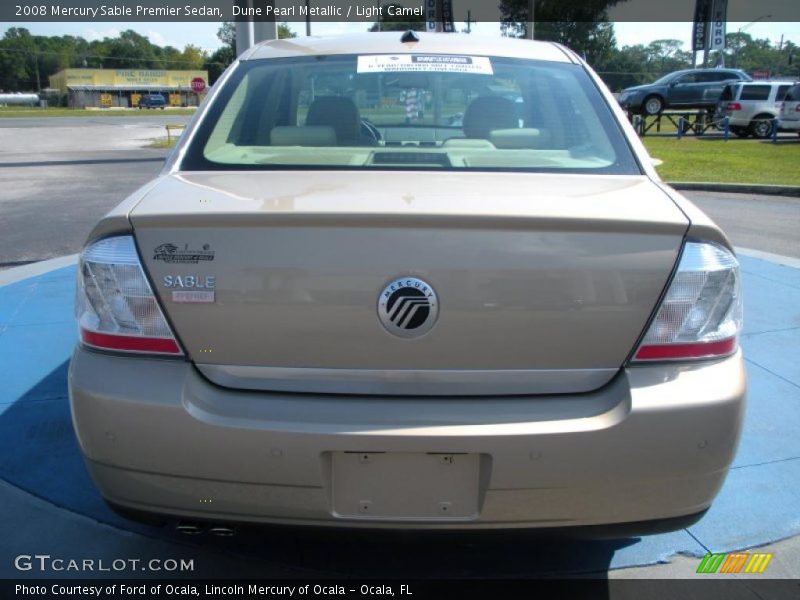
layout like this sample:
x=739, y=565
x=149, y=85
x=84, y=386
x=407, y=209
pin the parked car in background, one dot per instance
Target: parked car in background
x=790, y=110
x=690, y=88
x=752, y=107
x=499, y=324
x=153, y=101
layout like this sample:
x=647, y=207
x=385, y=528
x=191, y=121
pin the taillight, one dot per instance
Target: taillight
x=115, y=306
x=734, y=106
x=701, y=313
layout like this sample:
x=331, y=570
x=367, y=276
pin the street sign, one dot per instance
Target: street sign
x=198, y=84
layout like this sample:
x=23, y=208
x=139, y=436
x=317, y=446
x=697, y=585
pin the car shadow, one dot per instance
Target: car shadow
x=39, y=454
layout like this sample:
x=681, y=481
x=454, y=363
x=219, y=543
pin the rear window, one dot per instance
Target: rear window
x=781, y=93
x=793, y=95
x=755, y=92
x=410, y=112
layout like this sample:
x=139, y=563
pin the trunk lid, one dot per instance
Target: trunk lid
x=544, y=282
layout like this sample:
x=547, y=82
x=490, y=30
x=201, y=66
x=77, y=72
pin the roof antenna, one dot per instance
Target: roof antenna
x=409, y=36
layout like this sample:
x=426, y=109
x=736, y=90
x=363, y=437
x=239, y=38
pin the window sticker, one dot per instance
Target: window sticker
x=388, y=63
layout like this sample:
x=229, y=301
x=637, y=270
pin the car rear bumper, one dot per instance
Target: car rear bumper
x=653, y=444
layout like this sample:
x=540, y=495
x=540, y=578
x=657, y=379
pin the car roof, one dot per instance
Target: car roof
x=772, y=83
x=389, y=43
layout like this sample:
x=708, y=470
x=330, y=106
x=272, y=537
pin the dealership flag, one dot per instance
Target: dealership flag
x=716, y=35
x=431, y=15
x=702, y=15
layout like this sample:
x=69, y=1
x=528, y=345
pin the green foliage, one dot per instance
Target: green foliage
x=224, y=56
x=396, y=23
x=743, y=52
x=284, y=31
x=27, y=61
x=582, y=27
x=635, y=65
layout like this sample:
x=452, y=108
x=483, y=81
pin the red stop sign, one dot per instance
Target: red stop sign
x=198, y=84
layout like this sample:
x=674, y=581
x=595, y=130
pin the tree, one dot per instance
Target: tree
x=192, y=57
x=582, y=26
x=227, y=35
x=225, y=55
x=284, y=31
x=667, y=55
x=397, y=22
x=19, y=61
x=218, y=62
x=131, y=51
x=514, y=14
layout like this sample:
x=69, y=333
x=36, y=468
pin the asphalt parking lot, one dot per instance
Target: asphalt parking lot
x=48, y=203
x=51, y=198
x=58, y=175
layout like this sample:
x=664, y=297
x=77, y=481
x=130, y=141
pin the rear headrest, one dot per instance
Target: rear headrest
x=285, y=135
x=467, y=143
x=519, y=139
x=338, y=112
x=486, y=113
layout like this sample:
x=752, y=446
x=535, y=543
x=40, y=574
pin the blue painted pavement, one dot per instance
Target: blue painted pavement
x=758, y=504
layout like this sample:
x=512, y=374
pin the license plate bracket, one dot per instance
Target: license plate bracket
x=405, y=486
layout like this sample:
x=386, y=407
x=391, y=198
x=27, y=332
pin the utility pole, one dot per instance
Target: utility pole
x=530, y=20
x=244, y=28
x=469, y=21
x=265, y=30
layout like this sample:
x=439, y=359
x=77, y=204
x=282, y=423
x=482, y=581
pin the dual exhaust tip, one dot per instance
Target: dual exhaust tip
x=191, y=528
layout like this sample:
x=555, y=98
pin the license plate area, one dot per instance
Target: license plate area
x=405, y=486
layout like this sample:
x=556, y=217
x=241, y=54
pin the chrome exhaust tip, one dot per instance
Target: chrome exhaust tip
x=189, y=528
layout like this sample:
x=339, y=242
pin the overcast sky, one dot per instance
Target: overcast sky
x=205, y=34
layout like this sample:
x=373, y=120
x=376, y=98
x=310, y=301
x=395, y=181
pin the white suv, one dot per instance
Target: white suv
x=790, y=110
x=752, y=107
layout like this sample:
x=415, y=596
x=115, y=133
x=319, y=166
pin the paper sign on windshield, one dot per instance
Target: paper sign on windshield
x=387, y=63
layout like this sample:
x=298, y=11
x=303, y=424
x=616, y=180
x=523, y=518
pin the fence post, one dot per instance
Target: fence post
x=680, y=127
x=727, y=127
x=775, y=130
x=636, y=120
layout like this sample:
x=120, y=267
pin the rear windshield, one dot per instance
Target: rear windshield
x=410, y=112
x=793, y=95
x=755, y=92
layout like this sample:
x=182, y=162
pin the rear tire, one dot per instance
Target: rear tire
x=761, y=126
x=652, y=105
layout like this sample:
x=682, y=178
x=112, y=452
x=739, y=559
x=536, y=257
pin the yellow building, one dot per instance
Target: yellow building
x=124, y=87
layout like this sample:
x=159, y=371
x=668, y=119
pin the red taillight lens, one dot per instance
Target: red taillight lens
x=115, y=306
x=701, y=313
x=734, y=106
